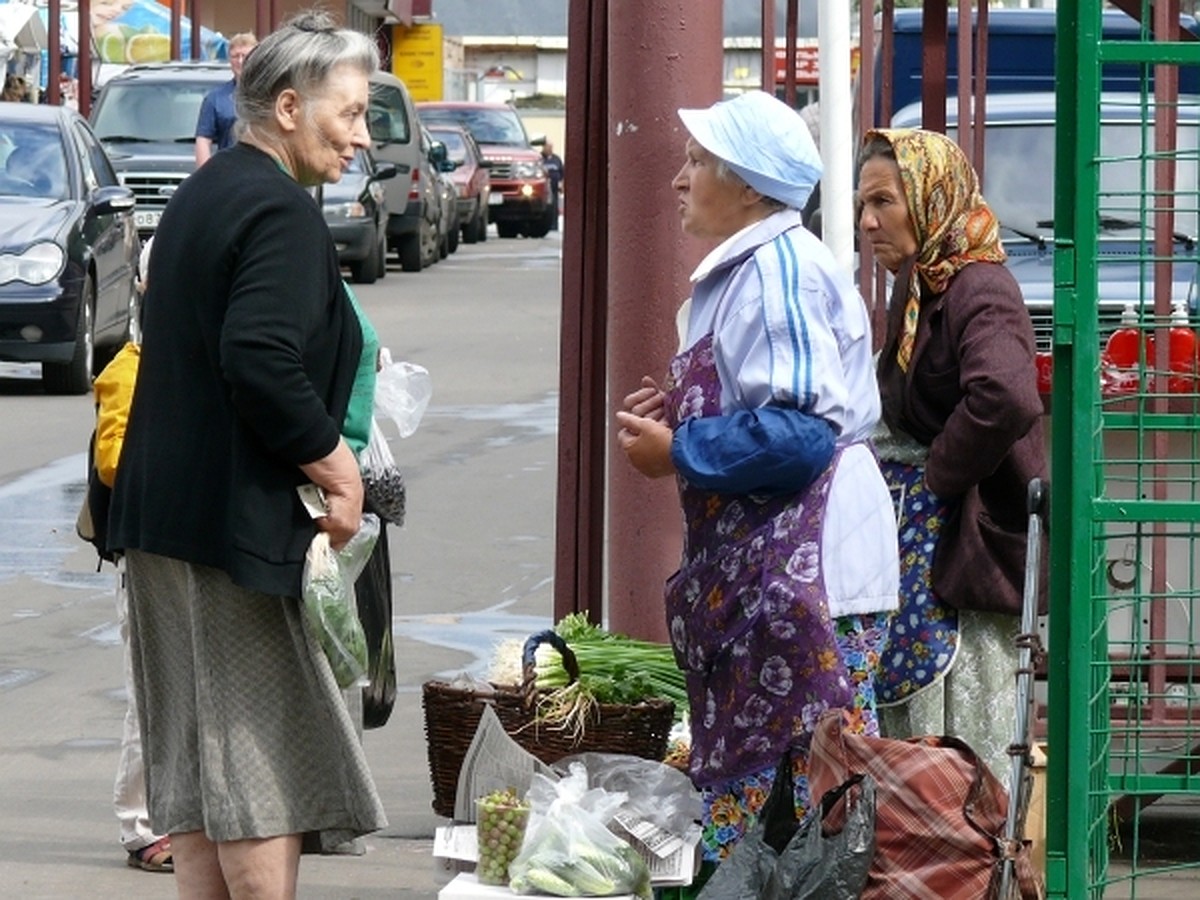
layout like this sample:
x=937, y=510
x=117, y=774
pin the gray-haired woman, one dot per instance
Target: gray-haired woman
x=252, y=364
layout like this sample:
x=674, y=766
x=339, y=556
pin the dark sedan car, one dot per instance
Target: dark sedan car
x=68, y=247
x=470, y=177
x=356, y=211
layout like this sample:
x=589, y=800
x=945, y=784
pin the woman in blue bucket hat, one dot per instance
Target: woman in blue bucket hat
x=789, y=568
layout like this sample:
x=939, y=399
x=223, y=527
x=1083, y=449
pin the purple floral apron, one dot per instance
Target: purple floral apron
x=747, y=613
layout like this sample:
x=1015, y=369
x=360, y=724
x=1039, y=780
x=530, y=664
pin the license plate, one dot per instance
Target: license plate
x=495, y=199
x=147, y=218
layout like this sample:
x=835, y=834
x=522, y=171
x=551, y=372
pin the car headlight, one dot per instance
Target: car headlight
x=353, y=210
x=529, y=170
x=36, y=265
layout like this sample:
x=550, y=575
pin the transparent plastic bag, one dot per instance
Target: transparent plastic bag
x=383, y=482
x=657, y=793
x=329, y=607
x=568, y=849
x=402, y=392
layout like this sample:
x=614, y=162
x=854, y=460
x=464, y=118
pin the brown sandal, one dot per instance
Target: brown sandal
x=154, y=858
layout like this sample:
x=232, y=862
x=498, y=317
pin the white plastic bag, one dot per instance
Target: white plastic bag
x=329, y=608
x=402, y=391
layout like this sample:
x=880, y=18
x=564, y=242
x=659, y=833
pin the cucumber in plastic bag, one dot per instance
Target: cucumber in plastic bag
x=329, y=608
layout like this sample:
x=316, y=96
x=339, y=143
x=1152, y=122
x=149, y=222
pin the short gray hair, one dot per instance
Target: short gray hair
x=299, y=55
x=724, y=173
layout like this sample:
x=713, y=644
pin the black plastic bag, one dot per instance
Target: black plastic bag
x=829, y=867
x=373, y=593
x=778, y=859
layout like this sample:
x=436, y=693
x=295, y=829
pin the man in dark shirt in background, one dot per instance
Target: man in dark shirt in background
x=214, y=127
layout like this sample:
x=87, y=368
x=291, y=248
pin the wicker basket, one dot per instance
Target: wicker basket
x=452, y=714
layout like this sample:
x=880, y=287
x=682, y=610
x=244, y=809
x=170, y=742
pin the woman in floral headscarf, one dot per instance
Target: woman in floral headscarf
x=961, y=438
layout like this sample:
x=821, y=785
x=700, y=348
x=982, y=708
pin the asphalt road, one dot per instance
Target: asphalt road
x=472, y=566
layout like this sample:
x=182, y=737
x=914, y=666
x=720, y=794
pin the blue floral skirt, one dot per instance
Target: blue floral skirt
x=923, y=635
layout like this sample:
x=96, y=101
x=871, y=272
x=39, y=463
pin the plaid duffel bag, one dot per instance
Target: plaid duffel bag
x=940, y=815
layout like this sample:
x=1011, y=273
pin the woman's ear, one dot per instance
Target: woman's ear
x=287, y=110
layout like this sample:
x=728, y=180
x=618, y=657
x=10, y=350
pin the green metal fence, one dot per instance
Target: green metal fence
x=1124, y=643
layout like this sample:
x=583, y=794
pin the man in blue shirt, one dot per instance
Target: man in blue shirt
x=218, y=115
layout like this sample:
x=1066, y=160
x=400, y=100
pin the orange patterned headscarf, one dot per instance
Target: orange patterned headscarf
x=955, y=227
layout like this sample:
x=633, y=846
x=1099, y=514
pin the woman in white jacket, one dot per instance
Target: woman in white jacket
x=790, y=566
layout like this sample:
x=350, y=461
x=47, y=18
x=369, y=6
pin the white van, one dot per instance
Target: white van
x=413, y=203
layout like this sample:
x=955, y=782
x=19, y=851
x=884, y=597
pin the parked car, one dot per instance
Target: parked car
x=413, y=199
x=447, y=194
x=146, y=119
x=1019, y=136
x=519, y=202
x=68, y=247
x=355, y=209
x=470, y=177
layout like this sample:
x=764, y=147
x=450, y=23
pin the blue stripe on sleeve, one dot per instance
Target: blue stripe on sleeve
x=797, y=326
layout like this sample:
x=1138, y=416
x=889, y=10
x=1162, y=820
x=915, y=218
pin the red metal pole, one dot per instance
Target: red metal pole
x=934, y=35
x=768, y=46
x=966, y=124
x=84, y=98
x=663, y=55
x=789, y=71
x=54, y=51
x=176, y=35
x=583, y=417
x=195, y=10
x=981, y=67
x=262, y=18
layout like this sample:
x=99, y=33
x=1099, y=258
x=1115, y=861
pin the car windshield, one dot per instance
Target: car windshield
x=139, y=111
x=456, y=147
x=1022, y=194
x=32, y=161
x=487, y=126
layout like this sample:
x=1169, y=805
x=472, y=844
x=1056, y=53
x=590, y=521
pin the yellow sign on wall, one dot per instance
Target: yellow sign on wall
x=417, y=59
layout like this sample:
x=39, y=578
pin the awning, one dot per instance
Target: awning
x=21, y=27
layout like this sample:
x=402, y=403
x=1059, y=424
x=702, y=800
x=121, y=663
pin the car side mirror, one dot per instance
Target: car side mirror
x=448, y=165
x=437, y=153
x=384, y=171
x=112, y=199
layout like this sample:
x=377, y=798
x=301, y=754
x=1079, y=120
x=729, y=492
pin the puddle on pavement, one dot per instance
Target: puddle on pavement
x=37, y=526
x=37, y=535
x=474, y=633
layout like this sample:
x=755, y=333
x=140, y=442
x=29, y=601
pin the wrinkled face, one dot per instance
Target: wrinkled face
x=330, y=126
x=709, y=207
x=883, y=213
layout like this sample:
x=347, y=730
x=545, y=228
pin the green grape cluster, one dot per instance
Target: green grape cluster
x=500, y=818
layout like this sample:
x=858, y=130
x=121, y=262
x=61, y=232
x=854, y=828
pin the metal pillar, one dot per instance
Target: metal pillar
x=84, y=98
x=176, y=30
x=195, y=11
x=54, y=48
x=663, y=55
x=583, y=416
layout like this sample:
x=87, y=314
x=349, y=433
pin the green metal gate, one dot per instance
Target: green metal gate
x=1124, y=649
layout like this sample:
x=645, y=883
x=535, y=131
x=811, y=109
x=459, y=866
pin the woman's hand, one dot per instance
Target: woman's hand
x=646, y=401
x=338, y=476
x=646, y=442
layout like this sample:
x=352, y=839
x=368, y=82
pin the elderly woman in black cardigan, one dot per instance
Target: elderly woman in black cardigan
x=253, y=352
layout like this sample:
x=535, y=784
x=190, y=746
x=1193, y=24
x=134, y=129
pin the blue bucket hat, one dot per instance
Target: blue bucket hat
x=764, y=141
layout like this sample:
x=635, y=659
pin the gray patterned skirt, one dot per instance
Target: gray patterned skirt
x=244, y=731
